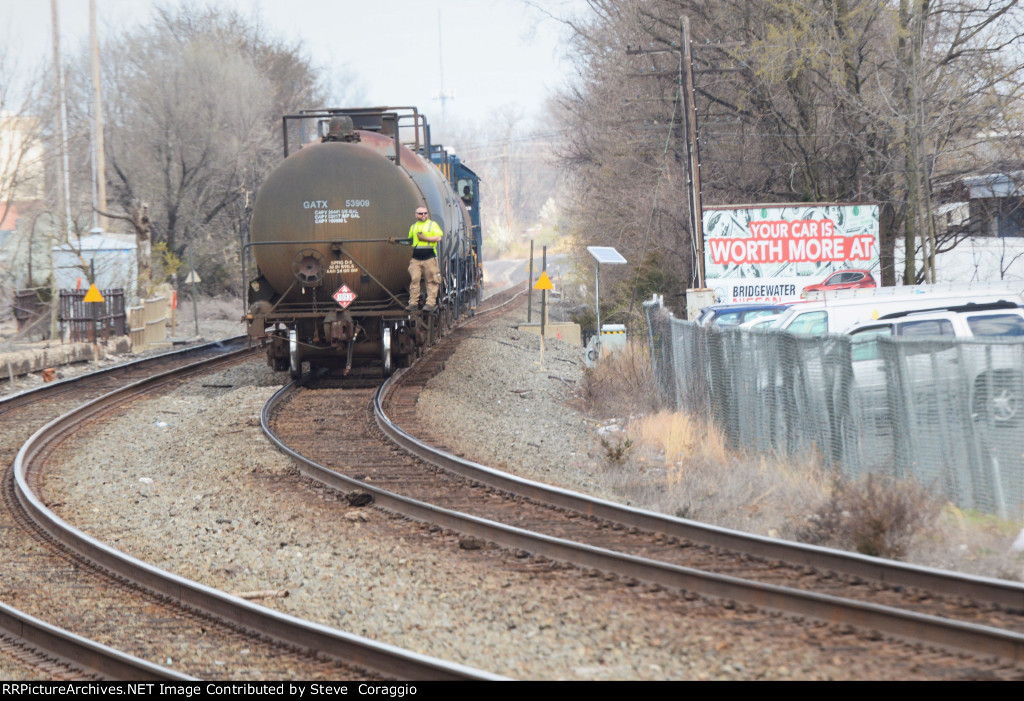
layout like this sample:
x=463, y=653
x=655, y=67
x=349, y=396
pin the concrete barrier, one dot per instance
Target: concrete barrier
x=17, y=363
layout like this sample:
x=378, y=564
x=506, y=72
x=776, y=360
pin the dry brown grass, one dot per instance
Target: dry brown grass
x=873, y=515
x=970, y=542
x=680, y=464
x=621, y=384
x=679, y=437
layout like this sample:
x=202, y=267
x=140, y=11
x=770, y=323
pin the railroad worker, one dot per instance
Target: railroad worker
x=424, y=235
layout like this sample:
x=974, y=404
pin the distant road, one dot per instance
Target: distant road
x=504, y=273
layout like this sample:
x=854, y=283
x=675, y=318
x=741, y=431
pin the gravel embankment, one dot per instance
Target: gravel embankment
x=188, y=481
x=497, y=404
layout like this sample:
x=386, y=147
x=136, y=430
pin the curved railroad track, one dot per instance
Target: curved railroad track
x=108, y=595
x=955, y=612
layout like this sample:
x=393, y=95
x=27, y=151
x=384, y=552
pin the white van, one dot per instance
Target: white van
x=833, y=316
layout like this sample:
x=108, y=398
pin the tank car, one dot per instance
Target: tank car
x=330, y=286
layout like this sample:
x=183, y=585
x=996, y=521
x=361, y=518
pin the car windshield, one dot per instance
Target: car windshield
x=728, y=318
x=997, y=325
x=785, y=317
x=757, y=313
x=810, y=324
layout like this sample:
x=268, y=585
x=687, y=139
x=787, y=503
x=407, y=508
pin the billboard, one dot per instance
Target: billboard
x=771, y=252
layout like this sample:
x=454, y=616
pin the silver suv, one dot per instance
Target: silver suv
x=993, y=372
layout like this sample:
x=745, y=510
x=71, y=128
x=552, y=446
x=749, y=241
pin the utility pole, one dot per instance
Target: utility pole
x=64, y=187
x=65, y=193
x=692, y=146
x=505, y=160
x=98, y=160
x=684, y=82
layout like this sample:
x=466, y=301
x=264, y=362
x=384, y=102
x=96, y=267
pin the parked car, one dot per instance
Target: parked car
x=736, y=314
x=844, y=280
x=994, y=373
x=833, y=316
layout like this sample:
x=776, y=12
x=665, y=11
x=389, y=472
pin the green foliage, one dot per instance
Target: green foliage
x=585, y=317
x=632, y=290
x=616, y=452
x=165, y=263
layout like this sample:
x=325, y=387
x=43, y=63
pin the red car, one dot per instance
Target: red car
x=844, y=280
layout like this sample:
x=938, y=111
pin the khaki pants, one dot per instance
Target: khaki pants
x=428, y=271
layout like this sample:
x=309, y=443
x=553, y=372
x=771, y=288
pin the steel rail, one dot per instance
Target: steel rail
x=907, y=625
x=67, y=385
x=341, y=645
x=82, y=652
x=997, y=591
x=73, y=649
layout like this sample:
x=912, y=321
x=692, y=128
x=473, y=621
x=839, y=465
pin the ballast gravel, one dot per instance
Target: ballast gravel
x=187, y=481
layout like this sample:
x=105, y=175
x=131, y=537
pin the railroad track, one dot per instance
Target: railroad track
x=199, y=631
x=954, y=612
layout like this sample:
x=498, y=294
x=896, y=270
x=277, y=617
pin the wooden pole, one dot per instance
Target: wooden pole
x=98, y=158
x=693, y=146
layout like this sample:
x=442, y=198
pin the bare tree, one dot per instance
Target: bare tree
x=798, y=100
x=22, y=179
x=193, y=103
x=517, y=166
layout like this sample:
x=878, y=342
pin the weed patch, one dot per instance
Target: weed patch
x=873, y=516
x=621, y=384
x=616, y=452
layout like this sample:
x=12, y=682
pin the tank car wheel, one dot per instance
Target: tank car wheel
x=385, y=350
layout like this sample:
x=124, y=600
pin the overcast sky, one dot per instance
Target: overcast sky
x=495, y=53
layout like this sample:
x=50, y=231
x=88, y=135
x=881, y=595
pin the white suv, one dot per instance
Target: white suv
x=995, y=371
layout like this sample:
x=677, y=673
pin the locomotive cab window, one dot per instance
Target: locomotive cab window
x=465, y=190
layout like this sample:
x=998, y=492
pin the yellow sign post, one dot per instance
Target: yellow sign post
x=543, y=284
x=92, y=298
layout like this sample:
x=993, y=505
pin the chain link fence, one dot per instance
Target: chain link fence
x=946, y=412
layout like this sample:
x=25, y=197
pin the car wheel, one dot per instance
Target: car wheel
x=998, y=397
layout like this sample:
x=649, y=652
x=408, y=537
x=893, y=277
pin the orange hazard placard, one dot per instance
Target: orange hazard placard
x=543, y=282
x=93, y=295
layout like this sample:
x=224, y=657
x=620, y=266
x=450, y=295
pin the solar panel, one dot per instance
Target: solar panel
x=605, y=254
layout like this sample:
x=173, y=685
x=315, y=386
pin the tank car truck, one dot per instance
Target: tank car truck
x=329, y=288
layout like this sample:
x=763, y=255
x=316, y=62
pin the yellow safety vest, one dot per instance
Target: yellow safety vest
x=426, y=228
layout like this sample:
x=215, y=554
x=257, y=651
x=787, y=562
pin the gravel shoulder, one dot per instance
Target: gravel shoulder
x=188, y=481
